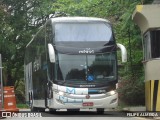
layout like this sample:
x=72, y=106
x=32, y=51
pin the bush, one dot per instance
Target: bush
x=20, y=91
x=131, y=88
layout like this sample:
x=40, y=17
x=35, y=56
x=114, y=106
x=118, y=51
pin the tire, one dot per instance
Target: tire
x=41, y=109
x=33, y=109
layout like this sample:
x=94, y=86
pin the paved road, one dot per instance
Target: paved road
x=83, y=115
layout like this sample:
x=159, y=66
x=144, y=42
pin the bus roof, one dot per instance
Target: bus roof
x=77, y=19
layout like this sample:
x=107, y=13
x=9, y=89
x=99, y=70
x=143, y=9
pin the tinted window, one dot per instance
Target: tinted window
x=82, y=32
x=79, y=69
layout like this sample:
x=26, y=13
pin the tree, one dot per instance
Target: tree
x=19, y=20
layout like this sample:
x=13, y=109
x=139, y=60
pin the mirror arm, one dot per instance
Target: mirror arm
x=51, y=53
x=123, y=52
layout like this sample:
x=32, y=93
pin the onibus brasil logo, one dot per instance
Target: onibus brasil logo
x=21, y=114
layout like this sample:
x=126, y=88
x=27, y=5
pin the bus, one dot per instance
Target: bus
x=71, y=64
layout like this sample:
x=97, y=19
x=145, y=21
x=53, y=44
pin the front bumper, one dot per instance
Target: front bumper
x=80, y=101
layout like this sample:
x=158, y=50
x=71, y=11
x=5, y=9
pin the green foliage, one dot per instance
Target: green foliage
x=20, y=91
x=131, y=86
x=22, y=106
x=17, y=29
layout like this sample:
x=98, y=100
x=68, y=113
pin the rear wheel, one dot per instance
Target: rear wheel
x=33, y=109
x=41, y=109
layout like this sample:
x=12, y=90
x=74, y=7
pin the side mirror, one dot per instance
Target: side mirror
x=123, y=52
x=51, y=53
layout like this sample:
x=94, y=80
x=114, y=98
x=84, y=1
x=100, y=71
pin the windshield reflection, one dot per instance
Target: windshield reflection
x=86, y=68
x=83, y=32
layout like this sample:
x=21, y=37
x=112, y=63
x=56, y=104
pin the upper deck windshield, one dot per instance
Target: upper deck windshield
x=97, y=69
x=83, y=31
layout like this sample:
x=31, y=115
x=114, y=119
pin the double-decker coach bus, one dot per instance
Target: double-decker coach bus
x=71, y=64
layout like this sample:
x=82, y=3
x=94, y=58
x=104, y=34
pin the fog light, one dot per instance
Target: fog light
x=113, y=101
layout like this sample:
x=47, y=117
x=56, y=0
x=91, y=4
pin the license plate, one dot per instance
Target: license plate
x=88, y=104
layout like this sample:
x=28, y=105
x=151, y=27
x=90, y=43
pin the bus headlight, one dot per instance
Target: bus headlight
x=112, y=92
x=59, y=92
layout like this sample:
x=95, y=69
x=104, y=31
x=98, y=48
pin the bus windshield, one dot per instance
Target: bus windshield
x=83, y=69
x=83, y=32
